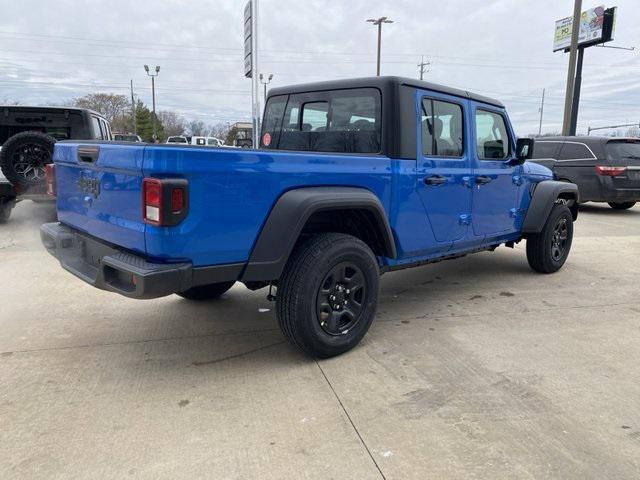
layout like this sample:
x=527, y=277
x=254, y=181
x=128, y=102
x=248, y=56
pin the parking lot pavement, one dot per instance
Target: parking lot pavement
x=476, y=368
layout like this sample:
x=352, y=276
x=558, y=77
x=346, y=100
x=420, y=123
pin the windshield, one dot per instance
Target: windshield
x=623, y=149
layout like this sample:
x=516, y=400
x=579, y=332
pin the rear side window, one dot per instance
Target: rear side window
x=546, y=149
x=341, y=121
x=441, y=125
x=574, y=151
x=272, y=123
x=97, y=133
x=492, y=139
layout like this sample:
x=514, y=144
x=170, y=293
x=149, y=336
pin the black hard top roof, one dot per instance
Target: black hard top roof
x=50, y=109
x=380, y=82
x=586, y=139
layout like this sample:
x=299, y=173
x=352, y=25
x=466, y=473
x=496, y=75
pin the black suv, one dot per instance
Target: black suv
x=27, y=135
x=606, y=169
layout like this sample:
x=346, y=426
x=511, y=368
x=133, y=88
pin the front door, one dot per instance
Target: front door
x=496, y=183
x=443, y=169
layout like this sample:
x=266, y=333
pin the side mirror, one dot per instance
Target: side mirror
x=524, y=149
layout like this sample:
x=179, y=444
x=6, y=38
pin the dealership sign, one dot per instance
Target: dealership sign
x=596, y=26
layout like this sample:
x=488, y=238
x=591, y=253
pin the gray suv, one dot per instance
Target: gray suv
x=606, y=169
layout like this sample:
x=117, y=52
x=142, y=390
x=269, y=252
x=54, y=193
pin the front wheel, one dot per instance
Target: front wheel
x=548, y=250
x=206, y=292
x=327, y=297
x=621, y=205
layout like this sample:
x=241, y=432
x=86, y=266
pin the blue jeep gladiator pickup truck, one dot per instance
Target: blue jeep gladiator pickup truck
x=353, y=178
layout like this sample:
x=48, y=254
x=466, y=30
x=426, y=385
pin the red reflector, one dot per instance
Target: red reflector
x=609, y=171
x=177, y=199
x=50, y=179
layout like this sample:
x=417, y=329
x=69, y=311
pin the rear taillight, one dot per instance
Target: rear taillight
x=164, y=201
x=50, y=178
x=152, y=195
x=609, y=171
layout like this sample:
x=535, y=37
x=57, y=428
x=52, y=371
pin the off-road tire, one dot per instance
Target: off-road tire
x=306, y=282
x=621, y=205
x=206, y=292
x=542, y=254
x=26, y=151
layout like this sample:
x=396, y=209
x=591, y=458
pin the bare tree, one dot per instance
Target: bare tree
x=114, y=107
x=173, y=123
x=197, y=128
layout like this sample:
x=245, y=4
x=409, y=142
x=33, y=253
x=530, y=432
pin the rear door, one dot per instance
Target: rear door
x=496, y=183
x=443, y=166
x=98, y=190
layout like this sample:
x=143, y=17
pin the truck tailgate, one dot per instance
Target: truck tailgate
x=99, y=191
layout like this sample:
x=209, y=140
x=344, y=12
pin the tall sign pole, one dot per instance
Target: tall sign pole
x=251, y=65
x=594, y=26
x=568, y=98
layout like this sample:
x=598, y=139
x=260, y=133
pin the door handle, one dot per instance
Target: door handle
x=482, y=180
x=434, y=180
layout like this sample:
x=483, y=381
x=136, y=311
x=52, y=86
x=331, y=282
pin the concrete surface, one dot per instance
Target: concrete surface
x=476, y=368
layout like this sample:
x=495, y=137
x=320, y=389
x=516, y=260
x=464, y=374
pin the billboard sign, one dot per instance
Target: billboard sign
x=592, y=29
x=248, y=40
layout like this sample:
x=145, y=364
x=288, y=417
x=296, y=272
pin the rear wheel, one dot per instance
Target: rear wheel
x=206, y=292
x=622, y=205
x=548, y=250
x=327, y=297
x=23, y=158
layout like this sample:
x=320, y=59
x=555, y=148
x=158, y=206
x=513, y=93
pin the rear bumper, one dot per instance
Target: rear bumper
x=610, y=189
x=109, y=268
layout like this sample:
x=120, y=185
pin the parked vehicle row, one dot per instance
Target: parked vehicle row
x=354, y=178
x=605, y=169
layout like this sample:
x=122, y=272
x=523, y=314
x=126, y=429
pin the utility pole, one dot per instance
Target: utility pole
x=133, y=111
x=541, y=113
x=423, y=67
x=265, y=83
x=568, y=99
x=379, y=22
x=153, y=95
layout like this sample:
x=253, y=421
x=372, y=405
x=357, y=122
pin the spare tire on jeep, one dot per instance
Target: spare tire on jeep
x=23, y=158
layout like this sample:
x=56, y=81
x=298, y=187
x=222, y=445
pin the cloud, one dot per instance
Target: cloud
x=53, y=51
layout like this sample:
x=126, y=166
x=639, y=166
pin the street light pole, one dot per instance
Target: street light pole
x=378, y=22
x=153, y=96
x=265, y=83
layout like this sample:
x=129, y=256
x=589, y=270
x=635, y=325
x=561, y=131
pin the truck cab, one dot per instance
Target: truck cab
x=353, y=178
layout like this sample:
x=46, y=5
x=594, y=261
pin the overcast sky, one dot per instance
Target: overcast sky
x=54, y=50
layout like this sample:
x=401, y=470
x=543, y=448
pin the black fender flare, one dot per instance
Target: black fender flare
x=544, y=196
x=288, y=217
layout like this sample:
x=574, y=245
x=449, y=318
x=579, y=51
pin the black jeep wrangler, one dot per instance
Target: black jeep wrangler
x=27, y=136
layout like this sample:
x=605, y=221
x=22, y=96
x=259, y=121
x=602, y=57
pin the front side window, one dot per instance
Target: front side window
x=546, y=149
x=492, y=139
x=442, y=132
x=341, y=121
x=315, y=116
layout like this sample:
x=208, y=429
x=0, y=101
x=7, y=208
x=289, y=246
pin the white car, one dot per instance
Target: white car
x=207, y=142
x=178, y=139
